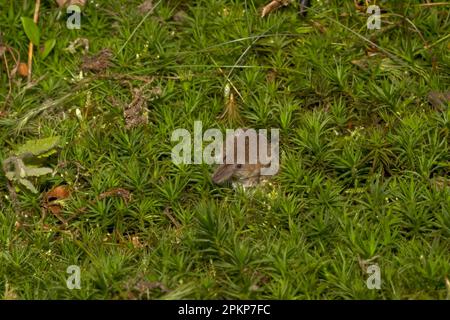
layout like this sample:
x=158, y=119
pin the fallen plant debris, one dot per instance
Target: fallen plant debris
x=122, y=193
x=142, y=288
x=97, y=62
x=53, y=199
x=135, y=113
x=180, y=16
x=272, y=6
x=23, y=69
x=438, y=99
x=167, y=212
x=64, y=3
x=146, y=6
x=276, y=4
x=53, y=202
x=117, y=192
x=136, y=242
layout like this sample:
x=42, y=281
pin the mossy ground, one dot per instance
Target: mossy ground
x=364, y=155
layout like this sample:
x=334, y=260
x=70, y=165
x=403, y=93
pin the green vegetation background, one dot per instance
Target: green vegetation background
x=364, y=154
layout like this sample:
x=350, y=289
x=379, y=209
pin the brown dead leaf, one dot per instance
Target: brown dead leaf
x=319, y=26
x=117, y=192
x=63, y=3
x=137, y=289
x=180, y=16
x=52, y=198
x=168, y=213
x=136, y=242
x=362, y=63
x=58, y=193
x=98, y=62
x=439, y=99
x=146, y=6
x=272, y=6
x=372, y=51
x=136, y=112
x=271, y=75
x=23, y=69
x=440, y=183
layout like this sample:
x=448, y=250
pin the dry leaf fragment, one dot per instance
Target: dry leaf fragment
x=440, y=183
x=146, y=6
x=319, y=26
x=361, y=63
x=180, y=16
x=23, y=69
x=271, y=75
x=439, y=99
x=53, y=197
x=53, y=202
x=98, y=62
x=117, y=192
x=63, y=3
x=167, y=212
x=272, y=6
x=136, y=242
x=138, y=288
x=136, y=112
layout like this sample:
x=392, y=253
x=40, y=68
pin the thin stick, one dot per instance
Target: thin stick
x=30, y=47
x=434, y=4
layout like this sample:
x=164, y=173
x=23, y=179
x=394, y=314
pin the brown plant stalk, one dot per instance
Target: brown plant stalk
x=30, y=47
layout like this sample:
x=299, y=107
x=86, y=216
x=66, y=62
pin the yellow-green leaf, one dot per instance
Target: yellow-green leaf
x=31, y=30
x=48, y=47
x=39, y=146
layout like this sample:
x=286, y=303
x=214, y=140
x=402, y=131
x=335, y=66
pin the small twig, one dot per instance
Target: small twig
x=30, y=48
x=171, y=217
x=9, y=73
x=434, y=4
